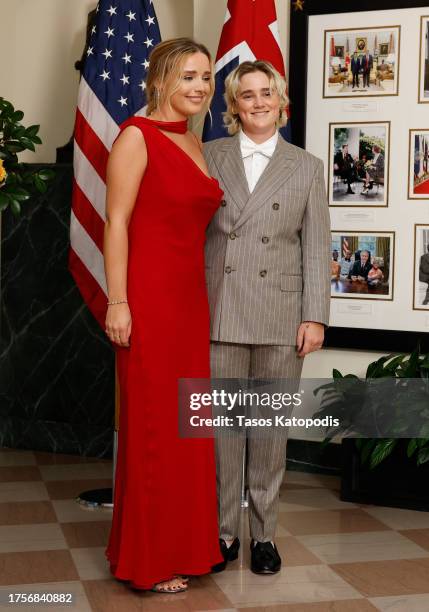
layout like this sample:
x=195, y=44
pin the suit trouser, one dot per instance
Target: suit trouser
x=366, y=78
x=266, y=459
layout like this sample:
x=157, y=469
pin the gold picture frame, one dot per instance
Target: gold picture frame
x=418, y=165
x=416, y=282
x=370, y=200
x=338, y=79
x=423, y=92
x=377, y=293
x=361, y=44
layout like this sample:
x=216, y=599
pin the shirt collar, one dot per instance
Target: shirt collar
x=266, y=148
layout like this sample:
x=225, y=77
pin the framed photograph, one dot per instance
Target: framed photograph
x=424, y=60
x=369, y=65
x=361, y=44
x=421, y=267
x=359, y=163
x=332, y=107
x=362, y=265
x=418, y=168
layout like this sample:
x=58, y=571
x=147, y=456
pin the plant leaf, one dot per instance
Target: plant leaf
x=410, y=369
x=32, y=130
x=366, y=447
x=17, y=116
x=28, y=143
x=4, y=199
x=46, y=174
x=423, y=455
x=20, y=195
x=40, y=185
x=15, y=207
x=14, y=146
x=382, y=449
x=411, y=447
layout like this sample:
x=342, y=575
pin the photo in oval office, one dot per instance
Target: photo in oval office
x=362, y=265
x=361, y=62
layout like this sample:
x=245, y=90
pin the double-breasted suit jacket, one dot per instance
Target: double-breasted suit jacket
x=267, y=252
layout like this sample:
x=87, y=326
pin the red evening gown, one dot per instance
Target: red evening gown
x=165, y=507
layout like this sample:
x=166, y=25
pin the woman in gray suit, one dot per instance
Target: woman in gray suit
x=268, y=277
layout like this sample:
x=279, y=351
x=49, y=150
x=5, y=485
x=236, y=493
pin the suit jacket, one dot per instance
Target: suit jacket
x=424, y=268
x=267, y=253
x=367, y=64
x=356, y=270
x=344, y=165
x=355, y=64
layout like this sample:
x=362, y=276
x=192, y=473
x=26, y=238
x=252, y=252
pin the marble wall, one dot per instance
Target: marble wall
x=56, y=366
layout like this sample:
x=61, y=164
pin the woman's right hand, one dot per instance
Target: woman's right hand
x=118, y=324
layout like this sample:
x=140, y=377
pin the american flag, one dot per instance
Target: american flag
x=112, y=88
x=250, y=32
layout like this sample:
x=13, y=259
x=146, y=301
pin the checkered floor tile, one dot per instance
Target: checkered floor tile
x=337, y=556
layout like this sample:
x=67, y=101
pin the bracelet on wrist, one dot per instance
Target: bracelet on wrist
x=115, y=302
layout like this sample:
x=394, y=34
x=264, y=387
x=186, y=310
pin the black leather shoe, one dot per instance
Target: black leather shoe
x=228, y=553
x=265, y=558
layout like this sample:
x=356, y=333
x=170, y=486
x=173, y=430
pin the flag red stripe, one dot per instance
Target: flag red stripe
x=92, y=147
x=87, y=216
x=89, y=288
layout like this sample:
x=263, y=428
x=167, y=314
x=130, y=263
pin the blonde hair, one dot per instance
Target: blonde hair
x=231, y=119
x=165, y=63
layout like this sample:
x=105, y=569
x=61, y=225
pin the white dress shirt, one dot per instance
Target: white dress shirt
x=256, y=157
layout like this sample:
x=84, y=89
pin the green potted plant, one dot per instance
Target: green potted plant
x=391, y=470
x=18, y=182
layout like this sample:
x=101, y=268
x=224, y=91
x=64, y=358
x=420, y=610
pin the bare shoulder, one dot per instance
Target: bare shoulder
x=129, y=151
x=131, y=138
x=128, y=156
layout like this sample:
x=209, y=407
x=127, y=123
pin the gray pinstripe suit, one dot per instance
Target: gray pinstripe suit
x=267, y=270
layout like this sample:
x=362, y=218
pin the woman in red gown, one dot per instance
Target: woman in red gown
x=160, y=200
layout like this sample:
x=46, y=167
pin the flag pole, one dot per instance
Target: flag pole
x=104, y=497
x=116, y=430
x=98, y=117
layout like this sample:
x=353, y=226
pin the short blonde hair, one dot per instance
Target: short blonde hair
x=231, y=119
x=165, y=63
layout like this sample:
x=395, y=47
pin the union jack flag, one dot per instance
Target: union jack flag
x=250, y=32
x=112, y=88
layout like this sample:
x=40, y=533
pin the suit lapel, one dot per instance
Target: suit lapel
x=280, y=168
x=230, y=165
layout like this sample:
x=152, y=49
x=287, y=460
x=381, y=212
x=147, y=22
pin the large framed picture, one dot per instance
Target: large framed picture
x=368, y=65
x=418, y=165
x=421, y=267
x=359, y=163
x=362, y=265
x=355, y=70
x=424, y=60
